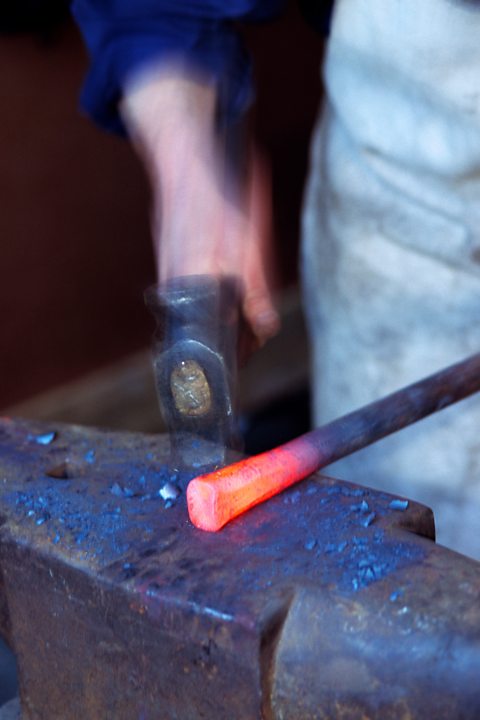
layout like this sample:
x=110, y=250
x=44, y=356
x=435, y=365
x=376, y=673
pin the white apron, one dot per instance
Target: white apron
x=391, y=248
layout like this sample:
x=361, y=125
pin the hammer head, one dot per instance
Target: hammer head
x=195, y=363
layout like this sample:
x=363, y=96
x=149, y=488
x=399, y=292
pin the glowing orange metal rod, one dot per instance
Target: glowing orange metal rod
x=216, y=498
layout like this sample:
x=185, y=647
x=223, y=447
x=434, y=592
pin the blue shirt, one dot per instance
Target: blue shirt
x=123, y=35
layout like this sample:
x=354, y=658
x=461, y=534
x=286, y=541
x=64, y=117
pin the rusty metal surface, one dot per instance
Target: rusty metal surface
x=322, y=603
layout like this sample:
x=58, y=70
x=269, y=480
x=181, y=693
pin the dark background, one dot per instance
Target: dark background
x=75, y=246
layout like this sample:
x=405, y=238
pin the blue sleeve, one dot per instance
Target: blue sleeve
x=123, y=35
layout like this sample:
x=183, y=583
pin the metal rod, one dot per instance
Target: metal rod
x=214, y=499
x=375, y=421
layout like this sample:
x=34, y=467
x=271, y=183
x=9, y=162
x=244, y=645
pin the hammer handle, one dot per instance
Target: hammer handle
x=216, y=498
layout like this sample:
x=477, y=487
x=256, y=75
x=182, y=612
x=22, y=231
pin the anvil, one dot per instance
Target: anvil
x=329, y=601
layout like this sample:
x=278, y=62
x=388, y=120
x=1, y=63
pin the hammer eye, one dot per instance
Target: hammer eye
x=190, y=389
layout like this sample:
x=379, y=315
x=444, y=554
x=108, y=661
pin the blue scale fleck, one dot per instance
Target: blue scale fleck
x=369, y=519
x=398, y=504
x=90, y=456
x=44, y=439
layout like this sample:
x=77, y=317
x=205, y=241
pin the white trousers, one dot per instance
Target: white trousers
x=391, y=247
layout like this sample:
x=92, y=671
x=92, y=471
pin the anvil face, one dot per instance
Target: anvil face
x=328, y=601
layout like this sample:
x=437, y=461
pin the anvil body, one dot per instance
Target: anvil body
x=329, y=601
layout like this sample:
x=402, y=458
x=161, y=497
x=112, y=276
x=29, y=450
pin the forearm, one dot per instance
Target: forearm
x=169, y=112
x=201, y=221
x=170, y=115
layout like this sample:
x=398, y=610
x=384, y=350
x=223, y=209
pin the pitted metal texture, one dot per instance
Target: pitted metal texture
x=329, y=601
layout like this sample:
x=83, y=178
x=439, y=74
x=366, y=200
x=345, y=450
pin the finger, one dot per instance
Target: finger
x=258, y=305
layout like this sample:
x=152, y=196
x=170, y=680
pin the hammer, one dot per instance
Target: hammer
x=195, y=364
x=216, y=498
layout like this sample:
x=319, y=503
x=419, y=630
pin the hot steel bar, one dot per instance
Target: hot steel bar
x=216, y=498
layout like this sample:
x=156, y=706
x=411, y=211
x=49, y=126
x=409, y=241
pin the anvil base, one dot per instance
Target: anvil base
x=328, y=601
